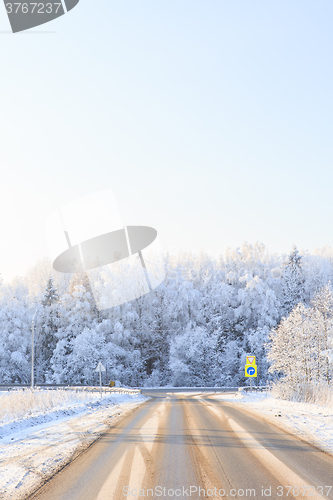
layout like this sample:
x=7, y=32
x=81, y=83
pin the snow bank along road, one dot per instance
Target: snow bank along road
x=41, y=431
x=182, y=445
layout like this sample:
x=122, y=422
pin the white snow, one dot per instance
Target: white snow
x=34, y=446
x=310, y=422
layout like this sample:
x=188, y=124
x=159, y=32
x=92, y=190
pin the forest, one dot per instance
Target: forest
x=195, y=329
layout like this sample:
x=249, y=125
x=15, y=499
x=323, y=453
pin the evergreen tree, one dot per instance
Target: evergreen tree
x=47, y=325
x=293, y=282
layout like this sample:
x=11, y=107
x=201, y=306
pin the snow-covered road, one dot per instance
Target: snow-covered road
x=176, y=445
x=34, y=446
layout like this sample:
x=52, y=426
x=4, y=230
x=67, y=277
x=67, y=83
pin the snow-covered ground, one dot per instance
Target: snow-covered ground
x=308, y=421
x=39, y=437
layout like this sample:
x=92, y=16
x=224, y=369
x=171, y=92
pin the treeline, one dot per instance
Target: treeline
x=194, y=329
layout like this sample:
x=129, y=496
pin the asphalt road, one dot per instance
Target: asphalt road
x=179, y=446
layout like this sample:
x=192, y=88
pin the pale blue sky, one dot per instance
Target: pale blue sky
x=210, y=120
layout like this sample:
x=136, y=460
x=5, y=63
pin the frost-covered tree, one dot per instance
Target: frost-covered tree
x=300, y=346
x=77, y=312
x=15, y=334
x=323, y=331
x=47, y=325
x=291, y=347
x=194, y=359
x=293, y=282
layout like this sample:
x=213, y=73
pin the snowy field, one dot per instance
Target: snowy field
x=310, y=422
x=41, y=431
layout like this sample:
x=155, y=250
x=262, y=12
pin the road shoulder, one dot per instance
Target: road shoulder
x=308, y=422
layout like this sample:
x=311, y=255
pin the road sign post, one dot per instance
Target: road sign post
x=250, y=368
x=100, y=368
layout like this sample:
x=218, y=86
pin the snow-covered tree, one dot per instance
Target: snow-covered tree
x=194, y=358
x=291, y=347
x=300, y=346
x=77, y=312
x=293, y=282
x=47, y=325
x=323, y=331
x=15, y=334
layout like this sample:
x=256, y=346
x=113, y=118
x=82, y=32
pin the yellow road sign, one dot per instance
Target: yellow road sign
x=250, y=370
x=250, y=360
